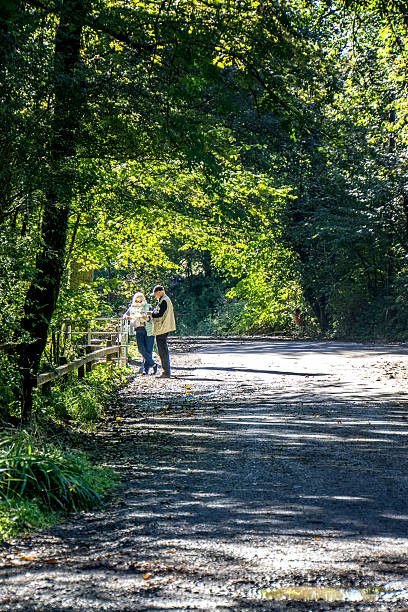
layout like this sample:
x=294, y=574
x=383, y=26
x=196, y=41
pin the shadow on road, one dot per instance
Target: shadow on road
x=242, y=486
x=247, y=371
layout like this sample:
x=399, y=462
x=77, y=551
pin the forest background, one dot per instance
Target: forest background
x=249, y=155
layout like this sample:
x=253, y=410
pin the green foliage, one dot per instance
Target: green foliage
x=55, y=479
x=9, y=387
x=382, y=317
x=271, y=136
x=37, y=481
x=15, y=254
x=197, y=292
x=78, y=304
x=268, y=303
x=175, y=88
x=17, y=516
x=82, y=400
x=226, y=318
x=78, y=401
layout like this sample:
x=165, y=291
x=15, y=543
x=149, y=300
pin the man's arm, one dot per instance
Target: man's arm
x=159, y=310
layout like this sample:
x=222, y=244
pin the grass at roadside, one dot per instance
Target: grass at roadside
x=40, y=484
x=81, y=400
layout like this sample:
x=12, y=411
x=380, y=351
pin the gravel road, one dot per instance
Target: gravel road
x=266, y=475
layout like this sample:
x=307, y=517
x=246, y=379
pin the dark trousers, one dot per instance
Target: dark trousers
x=163, y=350
x=145, y=347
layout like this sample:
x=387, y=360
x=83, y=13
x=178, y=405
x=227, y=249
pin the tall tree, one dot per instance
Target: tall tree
x=68, y=104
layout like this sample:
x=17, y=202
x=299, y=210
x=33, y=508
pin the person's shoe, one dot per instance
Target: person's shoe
x=164, y=375
x=155, y=368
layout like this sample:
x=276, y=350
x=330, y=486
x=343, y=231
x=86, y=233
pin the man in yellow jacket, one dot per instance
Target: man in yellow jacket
x=163, y=323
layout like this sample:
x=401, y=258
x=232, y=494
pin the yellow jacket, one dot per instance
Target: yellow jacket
x=167, y=322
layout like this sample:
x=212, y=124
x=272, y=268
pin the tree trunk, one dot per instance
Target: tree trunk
x=69, y=101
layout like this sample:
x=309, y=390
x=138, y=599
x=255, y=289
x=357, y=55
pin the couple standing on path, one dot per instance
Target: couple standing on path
x=149, y=324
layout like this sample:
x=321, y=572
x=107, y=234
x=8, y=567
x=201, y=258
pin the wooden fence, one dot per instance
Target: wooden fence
x=88, y=341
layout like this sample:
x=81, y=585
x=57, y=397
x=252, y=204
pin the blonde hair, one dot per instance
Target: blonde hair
x=139, y=294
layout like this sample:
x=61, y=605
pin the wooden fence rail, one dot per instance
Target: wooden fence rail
x=29, y=382
x=77, y=364
x=116, y=344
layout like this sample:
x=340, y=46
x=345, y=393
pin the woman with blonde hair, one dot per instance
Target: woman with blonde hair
x=142, y=323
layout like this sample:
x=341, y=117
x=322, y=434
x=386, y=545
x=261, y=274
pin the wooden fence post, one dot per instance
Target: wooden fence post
x=81, y=369
x=109, y=357
x=58, y=345
x=46, y=388
x=123, y=351
x=88, y=366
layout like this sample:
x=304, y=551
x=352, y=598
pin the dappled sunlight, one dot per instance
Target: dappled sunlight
x=278, y=365
x=258, y=480
x=237, y=370
x=305, y=439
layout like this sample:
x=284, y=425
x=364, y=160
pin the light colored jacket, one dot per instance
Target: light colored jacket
x=134, y=313
x=166, y=323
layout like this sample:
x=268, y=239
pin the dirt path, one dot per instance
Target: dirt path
x=262, y=465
